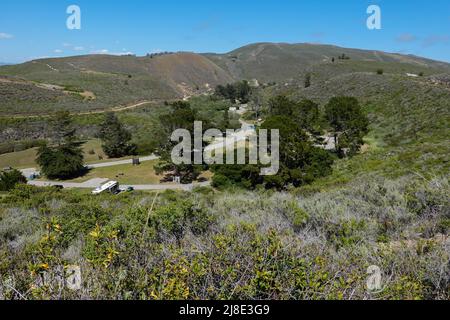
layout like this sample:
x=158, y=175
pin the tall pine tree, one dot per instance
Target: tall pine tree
x=62, y=158
x=116, y=139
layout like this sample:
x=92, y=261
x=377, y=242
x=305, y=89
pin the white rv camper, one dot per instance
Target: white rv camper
x=111, y=187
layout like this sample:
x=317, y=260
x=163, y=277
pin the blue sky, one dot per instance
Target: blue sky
x=31, y=29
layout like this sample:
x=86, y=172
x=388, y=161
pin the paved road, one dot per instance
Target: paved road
x=120, y=162
x=91, y=184
x=33, y=171
x=184, y=187
x=95, y=183
x=222, y=143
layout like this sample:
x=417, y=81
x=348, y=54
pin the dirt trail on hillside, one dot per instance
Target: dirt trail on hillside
x=85, y=113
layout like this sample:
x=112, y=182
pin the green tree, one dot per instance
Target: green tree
x=63, y=158
x=245, y=176
x=182, y=116
x=307, y=114
x=116, y=139
x=348, y=122
x=225, y=123
x=300, y=161
x=62, y=128
x=243, y=91
x=221, y=91
x=9, y=179
x=231, y=92
x=235, y=91
x=281, y=106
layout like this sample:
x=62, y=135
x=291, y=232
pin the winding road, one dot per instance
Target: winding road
x=97, y=182
x=246, y=130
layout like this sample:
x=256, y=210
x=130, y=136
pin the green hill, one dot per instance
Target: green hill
x=94, y=82
x=99, y=82
x=386, y=207
x=269, y=62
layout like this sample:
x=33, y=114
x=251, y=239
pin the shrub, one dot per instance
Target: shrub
x=220, y=181
x=234, y=245
x=9, y=179
x=299, y=216
x=173, y=219
x=346, y=233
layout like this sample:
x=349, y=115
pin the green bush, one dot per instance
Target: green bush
x=243, y=245
x=9, y=179
x=174, y=218
x=220, y=181
x=346, y=233
x=298, y=215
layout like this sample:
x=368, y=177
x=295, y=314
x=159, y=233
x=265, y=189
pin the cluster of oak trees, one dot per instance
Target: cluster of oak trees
x=302, y=126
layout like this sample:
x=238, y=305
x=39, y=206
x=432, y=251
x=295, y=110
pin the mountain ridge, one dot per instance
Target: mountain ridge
x=284, y=60
x=95, y=82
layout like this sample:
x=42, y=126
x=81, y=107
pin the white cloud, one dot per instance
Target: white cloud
x=106, y=51
x=102, y=51
x=406, y=37
x=37, y=58
x=435, y=40
x=58, y=51
x=6, y=35
x=72, y=46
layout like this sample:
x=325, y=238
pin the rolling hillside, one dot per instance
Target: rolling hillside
x=280, y=61
x=101, y=82
x=86, y=83
x=387, y=206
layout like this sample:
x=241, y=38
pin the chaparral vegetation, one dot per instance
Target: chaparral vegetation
x=363, y=178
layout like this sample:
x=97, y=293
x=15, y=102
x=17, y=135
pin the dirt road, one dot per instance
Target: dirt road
x=115, y=109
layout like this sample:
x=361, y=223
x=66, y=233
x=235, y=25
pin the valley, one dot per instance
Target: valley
x=363, y=178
